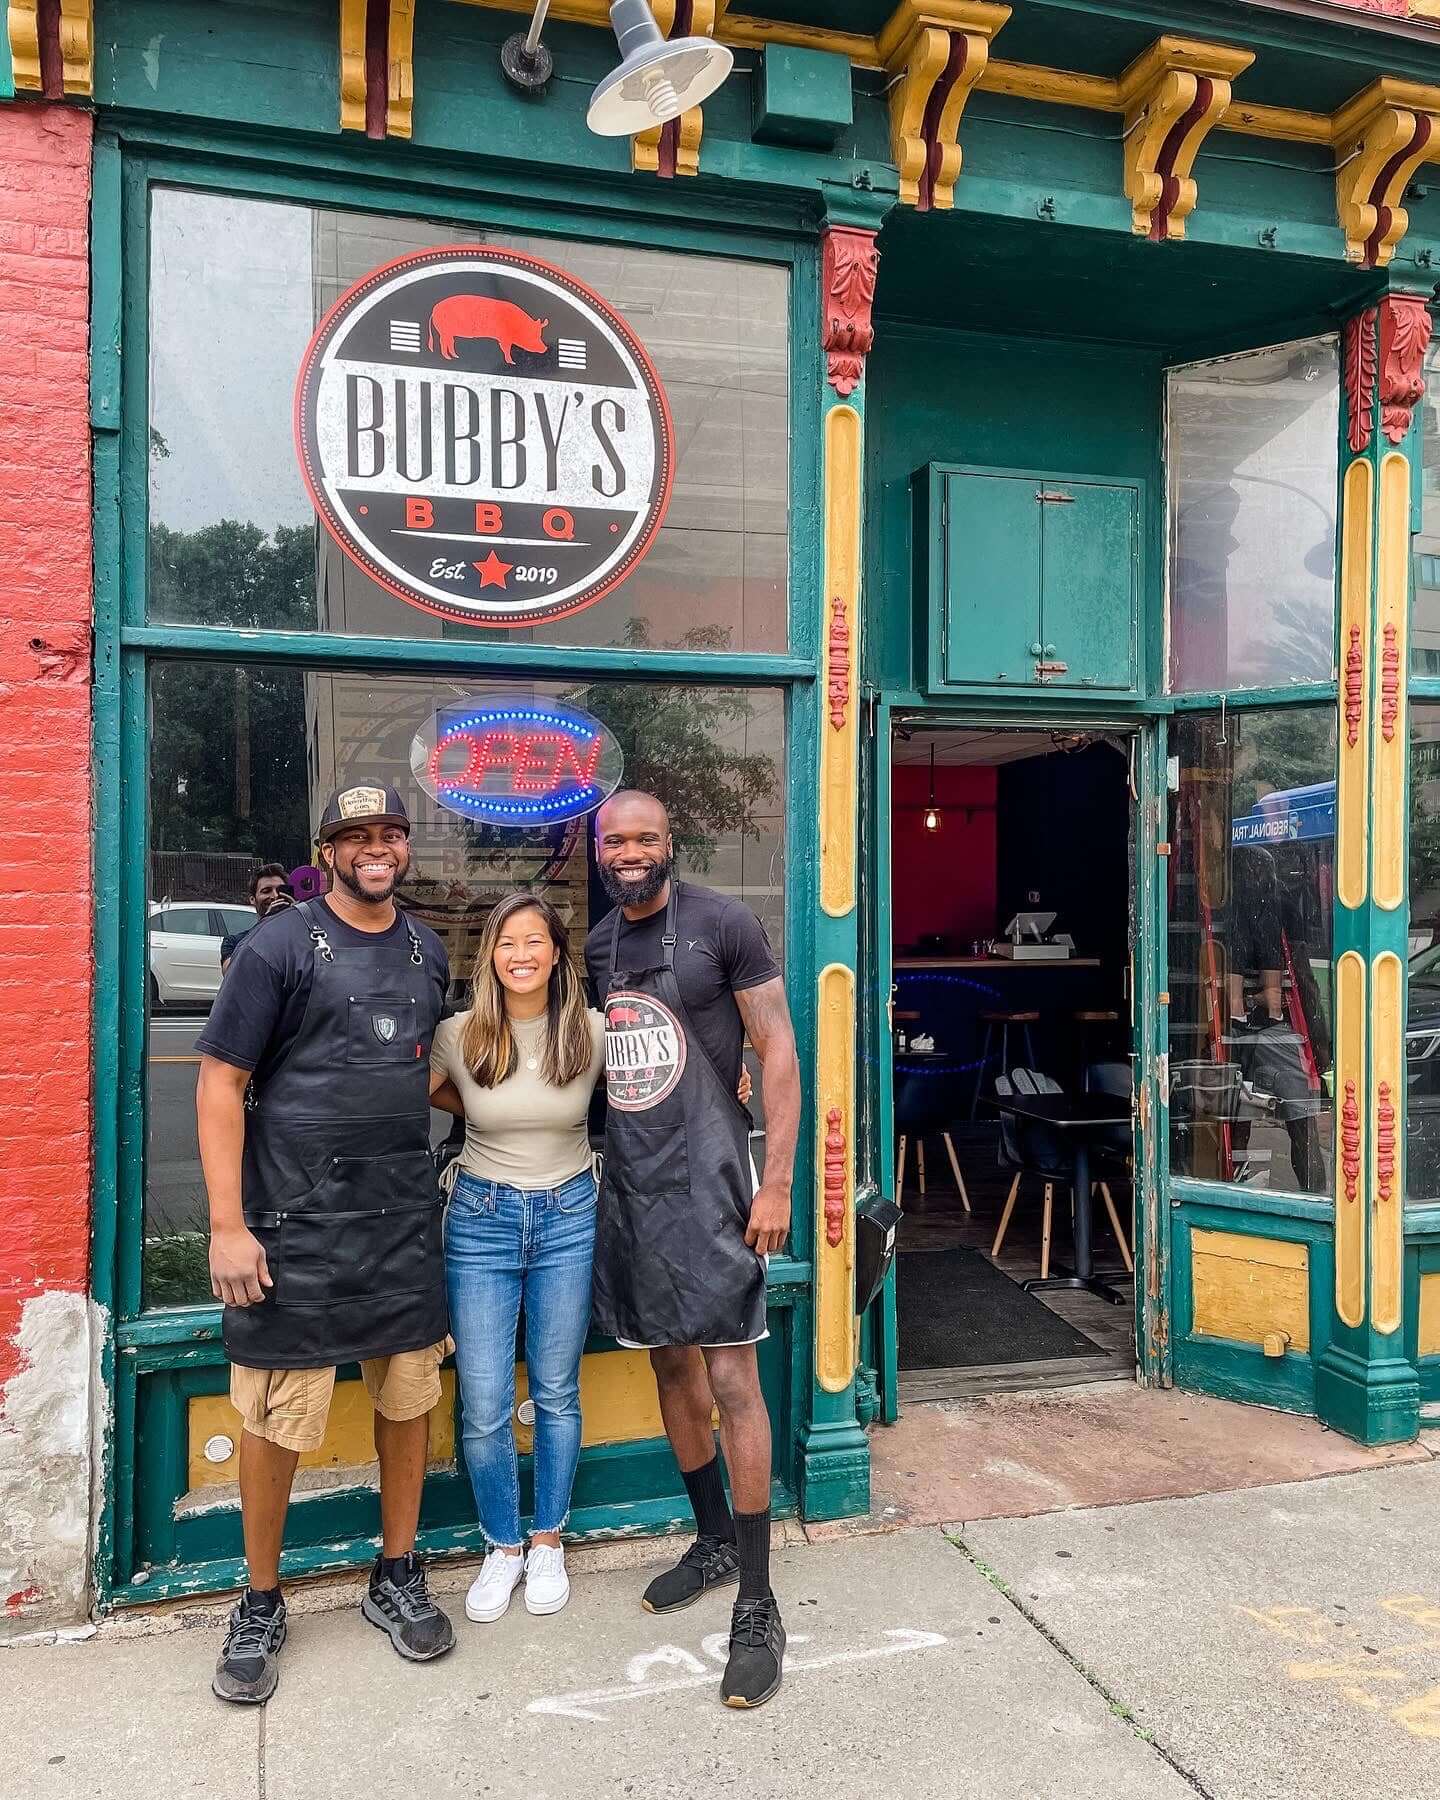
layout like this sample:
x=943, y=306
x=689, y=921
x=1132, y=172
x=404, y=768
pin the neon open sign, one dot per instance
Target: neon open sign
x=520, y=763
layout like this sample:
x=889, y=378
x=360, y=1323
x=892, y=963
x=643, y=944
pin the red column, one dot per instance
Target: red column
x=45, y=845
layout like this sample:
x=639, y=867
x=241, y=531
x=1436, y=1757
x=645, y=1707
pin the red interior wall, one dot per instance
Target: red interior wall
x=942, y=881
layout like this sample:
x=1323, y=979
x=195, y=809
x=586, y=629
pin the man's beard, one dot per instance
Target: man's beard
x=351, y=884
x=637, y=893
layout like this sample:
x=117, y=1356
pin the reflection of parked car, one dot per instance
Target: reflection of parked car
x=185, y=949
x=1422, y=1076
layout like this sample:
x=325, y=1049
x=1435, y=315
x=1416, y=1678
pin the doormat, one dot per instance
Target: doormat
x=956, y=1310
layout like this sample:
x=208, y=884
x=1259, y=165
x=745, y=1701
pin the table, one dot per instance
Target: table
x=996, y=963
x=1078, y=1117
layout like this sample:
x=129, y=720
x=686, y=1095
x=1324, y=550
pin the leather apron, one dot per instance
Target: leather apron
x=337, y=1182
x=671, y=1262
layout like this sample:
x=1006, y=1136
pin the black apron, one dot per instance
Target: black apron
x=337, y=1183
x=671, y=1262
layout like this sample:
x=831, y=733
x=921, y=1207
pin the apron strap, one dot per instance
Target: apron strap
x=317, y=931
x=668, y=940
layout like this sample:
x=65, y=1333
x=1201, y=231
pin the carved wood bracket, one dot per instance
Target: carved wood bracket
x=52, y=47
x=1381, y=137
x=1359, y=361
x=674, y=149
x=935, y=54
x=377, y=67
x=1172, y=96
x=1405, y=327
x=849, y=262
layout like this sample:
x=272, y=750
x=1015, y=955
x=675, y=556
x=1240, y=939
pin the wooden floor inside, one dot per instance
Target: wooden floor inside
x=936, y=1221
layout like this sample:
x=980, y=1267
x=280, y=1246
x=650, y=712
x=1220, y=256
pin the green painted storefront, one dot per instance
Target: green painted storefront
x=1025, y=340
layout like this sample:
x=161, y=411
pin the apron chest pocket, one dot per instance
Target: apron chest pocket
x=330, y=1258
x=381, y=1029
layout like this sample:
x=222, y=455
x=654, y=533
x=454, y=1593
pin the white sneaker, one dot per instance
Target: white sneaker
x=490, y=1591
x=547, y=1586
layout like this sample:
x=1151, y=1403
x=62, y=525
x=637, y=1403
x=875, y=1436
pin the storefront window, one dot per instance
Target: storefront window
x=236, y=289
x=1251, y=886
x=242, y=759
x=1422, y=1020
x=1253, y=449
x=1425, y=618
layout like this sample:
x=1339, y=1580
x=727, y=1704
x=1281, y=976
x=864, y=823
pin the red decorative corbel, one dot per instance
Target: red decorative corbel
x=1385, y=1144
x=1350, y=1141
x=1404, y=337
x=1389, y=684
x=1358, y=364
x=838, y=671
x=1354, y=688
x=834, y=1178
x=848, y=267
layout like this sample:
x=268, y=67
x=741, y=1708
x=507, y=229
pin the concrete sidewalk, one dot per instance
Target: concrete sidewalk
x=1280, y=1642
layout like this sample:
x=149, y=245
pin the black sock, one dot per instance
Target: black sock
x=752, y=1534
x=707, y=1497
x=264, y=1600
x=395, y=1568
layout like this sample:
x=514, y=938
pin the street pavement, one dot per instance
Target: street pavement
x=1282, y=1641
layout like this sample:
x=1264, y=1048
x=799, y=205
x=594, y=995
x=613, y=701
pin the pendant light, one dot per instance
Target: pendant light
x=932, y=820
x=657, y=80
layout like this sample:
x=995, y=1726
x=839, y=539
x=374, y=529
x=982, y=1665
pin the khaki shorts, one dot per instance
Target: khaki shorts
x=290, y=1407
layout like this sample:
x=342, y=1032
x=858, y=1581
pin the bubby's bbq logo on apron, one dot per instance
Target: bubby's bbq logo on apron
x=484, y=436
x=644, y=1051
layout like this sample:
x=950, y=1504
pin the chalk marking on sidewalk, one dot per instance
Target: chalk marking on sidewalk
x=583, y=1704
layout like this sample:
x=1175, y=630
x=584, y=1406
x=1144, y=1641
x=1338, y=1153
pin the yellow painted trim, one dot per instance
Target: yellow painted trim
x=77, y=46
x=352, y=65
x=1158, y=91
x=1250, y=1289
x=1374, y=134
x=1391, y=754
x=618, y=1402
x=1351, y=1134
x=1387, y=1143
x=400, y=54
x=921, y=61
x=1288, y=124
x=1353, y=798
x=349, y=1434
x=1430, y=1283
x=835, y=1263
x=915, y=46
x=839, y=753
x=1425, y=9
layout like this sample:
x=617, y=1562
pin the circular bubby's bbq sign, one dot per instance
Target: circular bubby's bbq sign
x=644, y=1051
x=484, y=436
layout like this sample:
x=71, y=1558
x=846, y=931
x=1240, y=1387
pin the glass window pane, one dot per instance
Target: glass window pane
x=1425, y=618
x=1422, y=1016
x=1251, y=887
x=1253, y=470
x=237, y=918
x=233, y=537
x=242, y=760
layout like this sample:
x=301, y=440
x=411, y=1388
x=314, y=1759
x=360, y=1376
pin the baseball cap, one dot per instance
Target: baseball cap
x=361, y=805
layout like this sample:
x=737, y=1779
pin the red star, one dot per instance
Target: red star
x=492, y=571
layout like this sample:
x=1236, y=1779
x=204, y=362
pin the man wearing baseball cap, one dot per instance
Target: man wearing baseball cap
x=325, y=1227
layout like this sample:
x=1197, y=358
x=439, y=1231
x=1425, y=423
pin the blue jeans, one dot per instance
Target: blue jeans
x=502, y=1243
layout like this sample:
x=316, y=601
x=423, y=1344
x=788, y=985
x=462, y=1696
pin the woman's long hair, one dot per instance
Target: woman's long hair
x=487, y=1042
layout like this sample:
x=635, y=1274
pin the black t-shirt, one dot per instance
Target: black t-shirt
x=721, y=950
x=261, y=1005
x=232, y=942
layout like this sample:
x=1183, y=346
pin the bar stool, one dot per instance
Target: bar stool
x=1004, y=1021
x=1090, y=1024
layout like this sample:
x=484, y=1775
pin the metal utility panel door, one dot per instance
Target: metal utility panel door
x=1041, y=582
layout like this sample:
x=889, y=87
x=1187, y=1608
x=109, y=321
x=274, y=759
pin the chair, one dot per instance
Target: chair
x=1029, y=1149
x=924, y=1107
x=1092, y=1024
x=1003, y=1022
x=1114, y=1146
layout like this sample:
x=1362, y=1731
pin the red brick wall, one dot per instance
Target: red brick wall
x=45, y=630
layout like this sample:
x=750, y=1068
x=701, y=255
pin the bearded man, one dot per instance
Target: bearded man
x=325, y=1223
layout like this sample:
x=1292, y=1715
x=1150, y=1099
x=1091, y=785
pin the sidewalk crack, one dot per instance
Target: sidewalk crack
x=1112, y=1700
x=260, y=1752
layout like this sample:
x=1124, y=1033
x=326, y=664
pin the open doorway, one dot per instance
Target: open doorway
x=1011, y=922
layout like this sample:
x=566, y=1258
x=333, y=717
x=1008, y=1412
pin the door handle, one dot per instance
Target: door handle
x=1049, y=650
x=1037, y=648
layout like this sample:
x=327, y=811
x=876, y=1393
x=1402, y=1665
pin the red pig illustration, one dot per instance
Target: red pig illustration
x=476, y=316
x=624, y=1015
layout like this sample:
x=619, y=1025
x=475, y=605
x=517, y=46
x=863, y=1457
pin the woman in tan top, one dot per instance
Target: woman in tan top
x=520, y=1068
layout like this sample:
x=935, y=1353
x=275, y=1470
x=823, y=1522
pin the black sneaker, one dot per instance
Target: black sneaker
x=709, y=1562
x=757, y=1653
x=248, y=1671
x=400, y=1604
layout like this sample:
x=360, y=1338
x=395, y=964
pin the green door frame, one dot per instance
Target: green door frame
x=1148, y=959
x=182, y=1346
